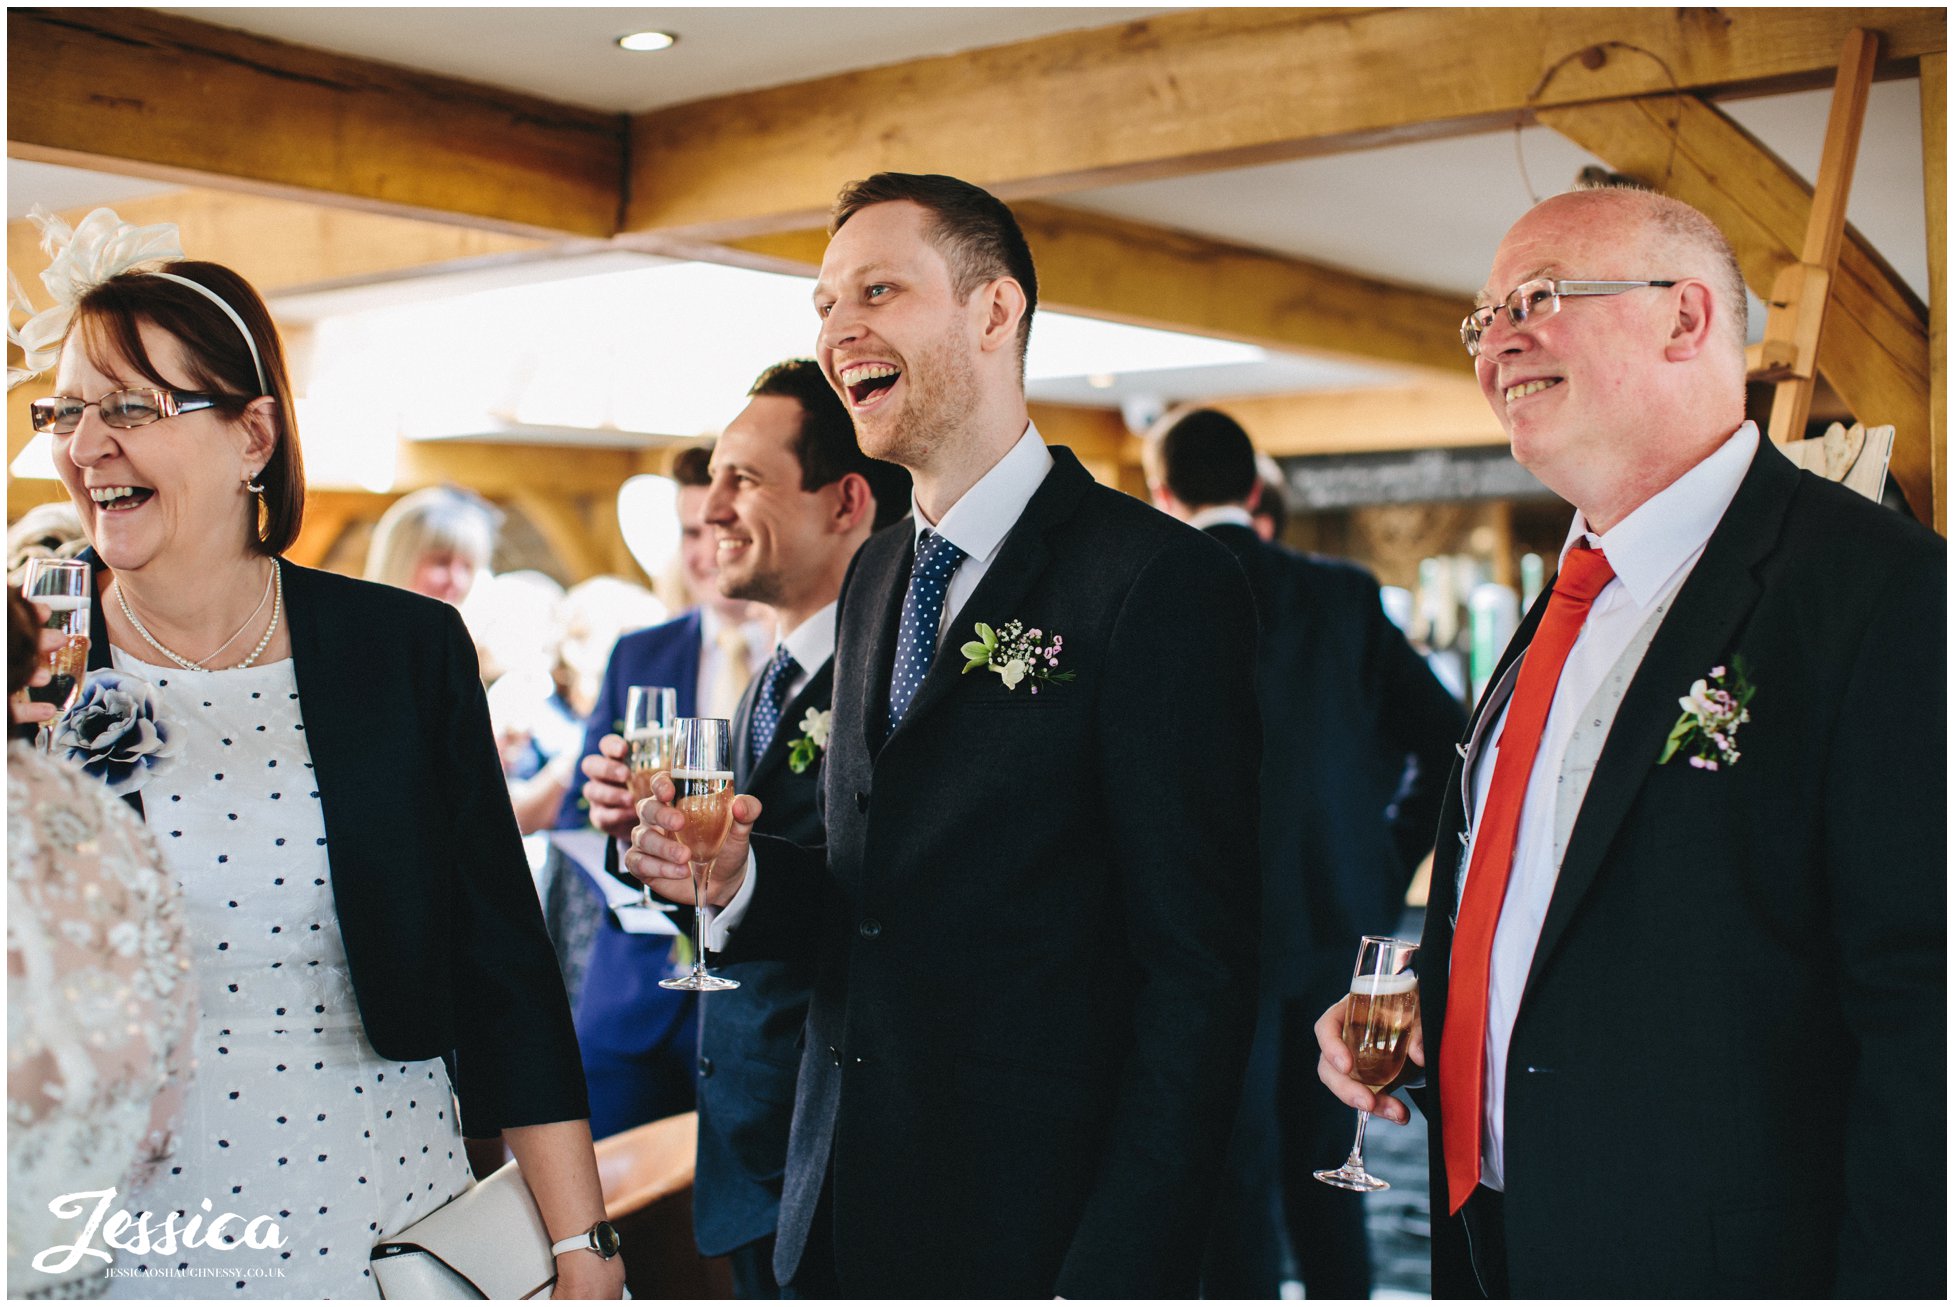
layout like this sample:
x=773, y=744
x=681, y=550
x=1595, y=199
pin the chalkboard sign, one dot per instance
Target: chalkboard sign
x=1425, y=476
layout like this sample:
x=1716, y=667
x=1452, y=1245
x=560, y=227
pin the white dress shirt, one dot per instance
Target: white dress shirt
x=811, y=644
x=977, y=524
x=1220, y=515
x=1652, y=551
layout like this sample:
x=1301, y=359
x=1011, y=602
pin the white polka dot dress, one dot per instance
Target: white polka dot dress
x=291, y=1114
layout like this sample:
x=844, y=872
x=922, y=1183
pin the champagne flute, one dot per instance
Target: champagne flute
x=702, y=776
x=61, y=586
x=648, y=714
x=1377, y=1021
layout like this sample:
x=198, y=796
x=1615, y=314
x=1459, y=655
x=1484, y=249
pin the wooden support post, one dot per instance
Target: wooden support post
x=1933, y=141
x=1811, y=277
x=557, y=519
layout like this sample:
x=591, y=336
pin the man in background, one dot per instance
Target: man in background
x=639, y=1041
x=1358, y=740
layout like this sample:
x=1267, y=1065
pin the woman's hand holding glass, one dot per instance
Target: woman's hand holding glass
x=21, y=710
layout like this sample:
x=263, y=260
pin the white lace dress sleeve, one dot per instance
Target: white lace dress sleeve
x=99, y=1016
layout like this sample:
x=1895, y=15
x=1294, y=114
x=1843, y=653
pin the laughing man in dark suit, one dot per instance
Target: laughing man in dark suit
x=1684, y=976
x=1036, y=911
x=1361, y=737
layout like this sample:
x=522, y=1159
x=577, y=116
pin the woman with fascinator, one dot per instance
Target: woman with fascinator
x=313, y=754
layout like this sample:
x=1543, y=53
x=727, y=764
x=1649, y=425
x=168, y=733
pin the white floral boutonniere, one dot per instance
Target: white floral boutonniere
x=116, y=732
x=1712, y=711
x=1016, y=654
x=802, y=753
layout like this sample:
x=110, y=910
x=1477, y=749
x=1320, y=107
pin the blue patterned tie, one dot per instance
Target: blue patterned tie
x=922, y=613
x=767, y=703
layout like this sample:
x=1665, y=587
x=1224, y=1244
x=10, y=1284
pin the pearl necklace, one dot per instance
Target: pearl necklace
x=189, y=665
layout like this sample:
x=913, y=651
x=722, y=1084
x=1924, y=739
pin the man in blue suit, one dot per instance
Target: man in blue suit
x=638, y=1040
x=1362, y=736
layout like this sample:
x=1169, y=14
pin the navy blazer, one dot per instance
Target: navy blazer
x=1036, y=919
x=620, y=1007
x=1359, y=737
x=1741, y=981
x=443, y=932
x=750, y=1038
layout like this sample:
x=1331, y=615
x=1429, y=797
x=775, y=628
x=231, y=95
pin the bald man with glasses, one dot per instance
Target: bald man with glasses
x=1684, y=962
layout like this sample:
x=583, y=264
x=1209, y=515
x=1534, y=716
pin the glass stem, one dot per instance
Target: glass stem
x=1357, y=1148
x=699, y=919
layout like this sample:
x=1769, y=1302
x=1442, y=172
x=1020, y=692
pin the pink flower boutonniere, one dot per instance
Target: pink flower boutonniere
x=1016, y=655
x=1712, y=711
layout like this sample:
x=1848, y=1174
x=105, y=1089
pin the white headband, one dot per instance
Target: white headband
x=84, y=257
x=256, y=365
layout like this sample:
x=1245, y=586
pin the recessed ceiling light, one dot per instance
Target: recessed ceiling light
x=647, y=41
x=1100, y=381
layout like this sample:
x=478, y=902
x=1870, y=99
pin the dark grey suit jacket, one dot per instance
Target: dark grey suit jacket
x=1037, y=921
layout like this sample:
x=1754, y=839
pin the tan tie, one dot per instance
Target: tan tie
x=734, y=671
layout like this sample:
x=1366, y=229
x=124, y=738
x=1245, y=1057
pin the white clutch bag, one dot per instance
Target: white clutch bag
x=490, y=1242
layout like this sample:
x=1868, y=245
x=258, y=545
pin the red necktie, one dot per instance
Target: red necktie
x=1462, y=1051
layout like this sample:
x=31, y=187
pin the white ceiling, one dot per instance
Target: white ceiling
x=1428, y=213
x=570, y=55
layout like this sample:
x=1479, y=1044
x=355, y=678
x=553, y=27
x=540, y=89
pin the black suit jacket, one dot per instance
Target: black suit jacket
x=750, y=1038
x=1727, y=1074
x=444, y=936
x=1358, y=738
x=1038, y=914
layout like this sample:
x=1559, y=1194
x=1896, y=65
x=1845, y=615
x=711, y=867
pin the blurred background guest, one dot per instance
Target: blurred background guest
x=594, y=614
x=44, y=531
x=360, y=918
x=1269, y=513
x=101, y=1001
x=1359, y=738
x=434, y=542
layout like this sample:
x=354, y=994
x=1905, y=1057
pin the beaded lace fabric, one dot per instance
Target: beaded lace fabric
x=100, y=1011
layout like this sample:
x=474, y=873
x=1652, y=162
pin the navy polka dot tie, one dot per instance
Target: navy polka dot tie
x=767, y=703
x=922, y=613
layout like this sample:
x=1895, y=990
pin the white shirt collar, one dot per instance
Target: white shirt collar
x=1220, y=515
x=1649, y=546
x=812, y=643
x=978, y=522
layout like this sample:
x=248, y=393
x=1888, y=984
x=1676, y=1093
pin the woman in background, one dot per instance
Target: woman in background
x=433, y=542
x=100, y=1000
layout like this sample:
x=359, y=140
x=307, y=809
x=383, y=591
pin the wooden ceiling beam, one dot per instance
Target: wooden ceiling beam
x=1875, y=350
x=284, y=246
x=1165, y=97
x=509, y=470
x=136, y=91
x=1111, y=268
